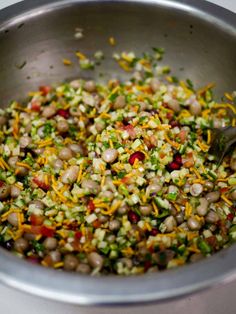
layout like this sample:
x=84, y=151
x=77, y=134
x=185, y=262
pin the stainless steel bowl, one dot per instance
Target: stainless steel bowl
x=200, y=43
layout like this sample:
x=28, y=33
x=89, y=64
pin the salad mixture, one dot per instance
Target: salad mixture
x=116, y=178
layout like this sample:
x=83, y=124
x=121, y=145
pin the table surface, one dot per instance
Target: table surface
x=219, y=300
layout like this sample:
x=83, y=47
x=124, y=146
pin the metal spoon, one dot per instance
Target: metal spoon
x=223, y=139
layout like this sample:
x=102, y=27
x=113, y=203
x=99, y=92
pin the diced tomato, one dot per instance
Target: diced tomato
x=125, y=180
x=63, y=113
x=36, y=220
x=96, y=224
x=45, y=90
x=137, y=155
x=223, y=190
x=91, y=205
x=35, y=106
x=130, y=129
x=35, y=229
x=1, y=183
x=41, y=185
x=182, y=135
x=47, y=232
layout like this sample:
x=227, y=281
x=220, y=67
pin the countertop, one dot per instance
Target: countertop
x=219, y=300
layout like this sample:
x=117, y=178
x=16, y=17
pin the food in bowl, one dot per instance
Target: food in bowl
x=115, y=178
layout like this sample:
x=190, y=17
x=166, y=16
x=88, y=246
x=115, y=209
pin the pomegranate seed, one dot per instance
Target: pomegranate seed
x=133, y=217
x=91, y=205
x=173, y=166
x=45, y=90
x=230, y=217
x=154, y=232
x=137, y=155
x=147, y=265
x=63, y=113
x=178, y=159
x=78, y=235
x=174, y=123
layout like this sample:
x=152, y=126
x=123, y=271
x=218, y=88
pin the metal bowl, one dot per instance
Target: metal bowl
x=200, y=43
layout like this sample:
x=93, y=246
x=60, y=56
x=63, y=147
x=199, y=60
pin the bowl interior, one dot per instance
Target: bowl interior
x=200, y=44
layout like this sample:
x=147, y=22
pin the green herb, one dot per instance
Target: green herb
x=204, y=246
x=38, y=246
x=190, y=84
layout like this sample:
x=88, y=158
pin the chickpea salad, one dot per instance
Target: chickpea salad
x=116, y=178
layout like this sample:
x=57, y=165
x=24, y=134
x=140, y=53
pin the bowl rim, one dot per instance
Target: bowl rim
x=114, y=290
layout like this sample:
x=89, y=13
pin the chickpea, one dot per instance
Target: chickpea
x=120, y=102
x=114, y=225
x=194, y=224
x=90, y=186
x=196, y=189
x=195, y=108
x=70, y=262
x=90, y=86
x=5, y=191
x=58, y=164
x=25, y=141
x=70, y=175
x=95, y=260
x=83, y=268
x=212, y=217
x=145, y=210
x=233, y=195
x=15, y=191
x=174, y=105
x=213, y=197
x=110, y=155
x=62, y=126
x=12, y=161
x=50, y=243
x=49, y=111
x=202, y=208
x=170, y=223
x=65, y=154
x=155, y=84
x=12, y=218
x=21, y=245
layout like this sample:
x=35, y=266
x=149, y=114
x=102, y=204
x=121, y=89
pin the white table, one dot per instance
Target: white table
x=215, y=301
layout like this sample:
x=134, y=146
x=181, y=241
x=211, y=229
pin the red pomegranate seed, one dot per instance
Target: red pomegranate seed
x=78, y=235
x=133, y=217
x=63, y=113
x=174, y=123
x=47, y=232
x=154, y=232
x=178, y=159
x=147, y=265
x=230, y=217
x=91, y=205
x=45, y=90
x=137, y=155
x=173, y=166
